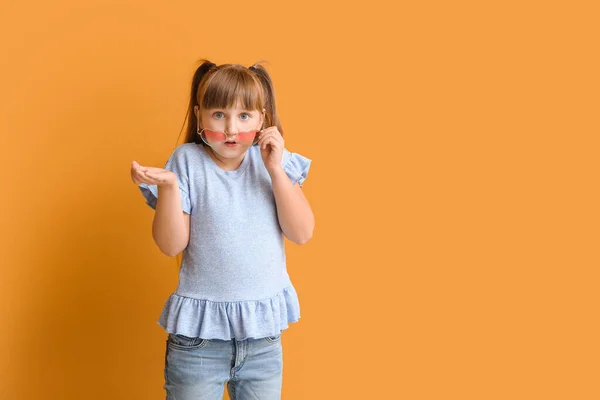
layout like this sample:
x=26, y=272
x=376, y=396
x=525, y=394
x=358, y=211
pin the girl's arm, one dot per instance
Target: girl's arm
x=293, y=210
x=171, y=226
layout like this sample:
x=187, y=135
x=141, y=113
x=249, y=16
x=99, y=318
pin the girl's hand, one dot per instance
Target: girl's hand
x=271, y=147
x=152, y=175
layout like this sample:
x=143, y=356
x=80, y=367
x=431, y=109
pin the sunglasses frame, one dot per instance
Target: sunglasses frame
x=254, y=141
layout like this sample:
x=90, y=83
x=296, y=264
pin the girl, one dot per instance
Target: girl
x=226, y=198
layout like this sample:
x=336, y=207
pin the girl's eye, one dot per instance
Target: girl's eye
x=218, y=115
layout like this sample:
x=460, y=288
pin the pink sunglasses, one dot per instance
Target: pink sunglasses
x=249, y=138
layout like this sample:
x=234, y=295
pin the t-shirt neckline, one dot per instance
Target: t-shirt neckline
x=230, y=174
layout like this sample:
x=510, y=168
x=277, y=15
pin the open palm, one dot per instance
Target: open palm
x=152, y=175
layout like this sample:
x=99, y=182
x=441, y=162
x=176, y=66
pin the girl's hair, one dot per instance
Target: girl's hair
x=223, y=86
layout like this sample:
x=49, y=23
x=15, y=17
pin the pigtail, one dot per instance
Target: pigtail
x=192, y=123
x=271, y=117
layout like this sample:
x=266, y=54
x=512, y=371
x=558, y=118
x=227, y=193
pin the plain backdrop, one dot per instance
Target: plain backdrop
x=454, y=184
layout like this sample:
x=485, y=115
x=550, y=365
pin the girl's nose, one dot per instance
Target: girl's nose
x=230, y=128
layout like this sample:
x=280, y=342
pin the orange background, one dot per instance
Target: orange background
x=454, y=184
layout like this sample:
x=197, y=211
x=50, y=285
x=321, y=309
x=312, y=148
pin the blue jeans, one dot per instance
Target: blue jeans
x=198, y=369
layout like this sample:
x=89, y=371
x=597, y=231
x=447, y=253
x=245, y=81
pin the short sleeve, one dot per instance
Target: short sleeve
x=176, y=163
x=295, y=166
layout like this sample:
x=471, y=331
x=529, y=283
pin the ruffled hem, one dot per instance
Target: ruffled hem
x=150, y=193
x=228, y=320
x=296, y=167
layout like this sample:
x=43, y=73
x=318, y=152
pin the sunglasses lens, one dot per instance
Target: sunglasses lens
x=248, y=138
x=214, y=137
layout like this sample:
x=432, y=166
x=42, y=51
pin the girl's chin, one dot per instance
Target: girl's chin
x=230, y=150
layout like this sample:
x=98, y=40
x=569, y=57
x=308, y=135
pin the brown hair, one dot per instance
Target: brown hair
x=223, y=86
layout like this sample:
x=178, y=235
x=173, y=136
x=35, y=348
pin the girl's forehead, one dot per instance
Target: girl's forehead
x=236, y=108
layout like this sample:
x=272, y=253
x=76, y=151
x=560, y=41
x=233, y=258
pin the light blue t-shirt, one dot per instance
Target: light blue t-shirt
x=233, y=281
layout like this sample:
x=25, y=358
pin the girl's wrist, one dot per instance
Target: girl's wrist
x=169, y=185
x=275, y=171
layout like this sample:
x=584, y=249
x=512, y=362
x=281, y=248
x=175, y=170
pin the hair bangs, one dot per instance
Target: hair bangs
x=231, y=87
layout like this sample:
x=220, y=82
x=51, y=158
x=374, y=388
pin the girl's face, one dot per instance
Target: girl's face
x=229, y=131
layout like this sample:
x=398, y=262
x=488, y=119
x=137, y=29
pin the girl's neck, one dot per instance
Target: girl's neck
x=227, y=164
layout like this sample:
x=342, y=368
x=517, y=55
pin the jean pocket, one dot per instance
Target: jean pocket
x=183, y=342
x=273, y=339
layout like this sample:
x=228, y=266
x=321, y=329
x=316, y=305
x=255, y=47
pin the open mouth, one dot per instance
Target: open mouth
x=230, y=144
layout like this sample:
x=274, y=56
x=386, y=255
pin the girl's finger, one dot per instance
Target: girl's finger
x=272, y=131
x=156, y=179
x=153, y=169
x=268, y=132
x=276, y=137
x=138, y=180
x=137, y=175
x=269, y=141
x=264, y=132
x=148, y=179
x=262, y=142
x=263, y=138
x=156, y=170
x=143, y=176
